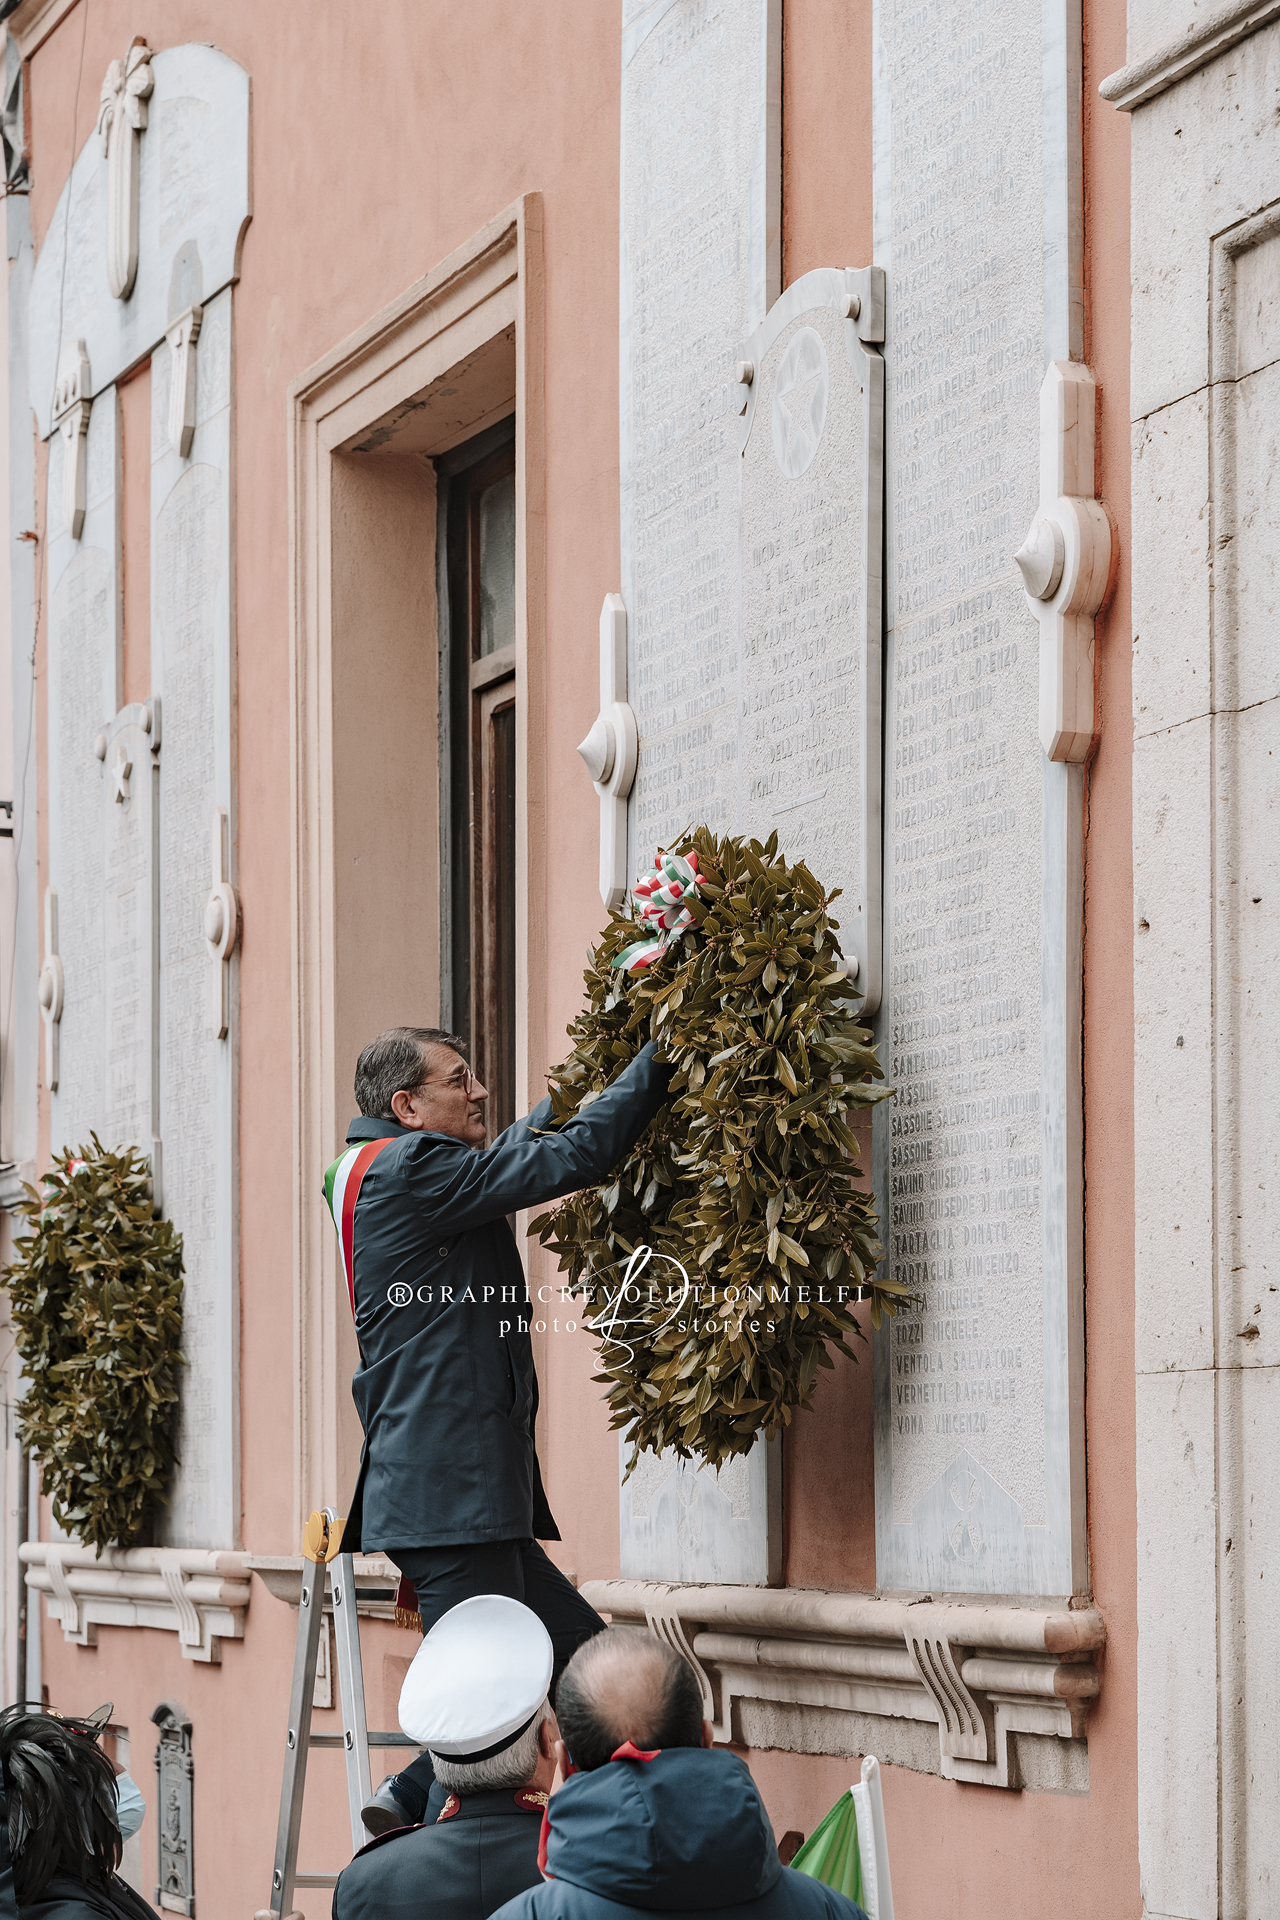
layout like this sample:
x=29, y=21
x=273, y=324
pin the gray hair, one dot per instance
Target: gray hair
x=396, y=1063
x=512, y=1768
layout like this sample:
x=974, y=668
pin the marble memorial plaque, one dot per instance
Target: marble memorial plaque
x=700, y=266
x=84, y=643
x=685, y=1523
x=979, y=1439
x=701, y=150
x=809, y=638
x=192, y=669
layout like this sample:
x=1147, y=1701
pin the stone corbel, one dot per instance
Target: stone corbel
x=170, y=1568
x=664, y=1622
x=51, y=989
x=122, y=116
x=75, y=1629
x=221, y=927
x=1065, y=560
x=182, y=335
x=610, y=751
x=72, y=400
x=964, y=1730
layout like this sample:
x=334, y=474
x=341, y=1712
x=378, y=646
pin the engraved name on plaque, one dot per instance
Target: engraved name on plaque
x=979, y=1450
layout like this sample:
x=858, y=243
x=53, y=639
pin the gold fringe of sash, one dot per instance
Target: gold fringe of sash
x=404, y=1618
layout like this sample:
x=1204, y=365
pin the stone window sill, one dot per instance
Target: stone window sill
x=199, y=1593
x=995, y=1695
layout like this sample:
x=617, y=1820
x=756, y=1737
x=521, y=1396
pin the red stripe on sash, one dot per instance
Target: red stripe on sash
x=355, y=1179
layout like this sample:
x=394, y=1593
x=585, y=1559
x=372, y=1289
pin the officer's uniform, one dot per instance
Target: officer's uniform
x=477, y=1681
x=446, y=1391
x=468, y=1858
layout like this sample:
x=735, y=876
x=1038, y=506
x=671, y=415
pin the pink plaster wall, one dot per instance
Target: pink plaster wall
x=378, y=149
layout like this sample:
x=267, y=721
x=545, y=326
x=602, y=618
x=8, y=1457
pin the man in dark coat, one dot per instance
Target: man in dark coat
x=481, y=1672
x=446, y=1391
x=652, y=1818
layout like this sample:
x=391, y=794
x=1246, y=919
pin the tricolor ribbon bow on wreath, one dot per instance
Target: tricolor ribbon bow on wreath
x=658, y=898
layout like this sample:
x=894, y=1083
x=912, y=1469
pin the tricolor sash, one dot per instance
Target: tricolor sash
x=342, y=1185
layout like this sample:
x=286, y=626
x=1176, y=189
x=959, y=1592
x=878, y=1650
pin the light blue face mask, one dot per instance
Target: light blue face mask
x=131, y=1804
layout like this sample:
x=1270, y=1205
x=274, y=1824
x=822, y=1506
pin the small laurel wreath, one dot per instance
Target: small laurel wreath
x=724, y=1258
x=96, y=1300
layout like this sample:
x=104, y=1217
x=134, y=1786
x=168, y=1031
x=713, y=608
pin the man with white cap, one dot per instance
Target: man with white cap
x=476, y=1698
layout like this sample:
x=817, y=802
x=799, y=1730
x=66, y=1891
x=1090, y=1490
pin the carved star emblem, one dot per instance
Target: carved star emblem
x=120, y=771
x=795, y=407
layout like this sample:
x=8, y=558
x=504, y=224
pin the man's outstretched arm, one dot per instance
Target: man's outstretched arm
x=464, y=1189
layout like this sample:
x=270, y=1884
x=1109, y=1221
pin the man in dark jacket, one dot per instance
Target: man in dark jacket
x=446, y=1391
x=652, y=1819
x=481, y=1672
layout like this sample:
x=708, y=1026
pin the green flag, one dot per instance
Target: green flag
x=848, y=1849
x=830, y=1854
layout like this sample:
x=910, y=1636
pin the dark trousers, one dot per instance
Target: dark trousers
x=442, y=1576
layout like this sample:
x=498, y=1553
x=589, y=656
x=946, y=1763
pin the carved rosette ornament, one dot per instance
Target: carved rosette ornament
x=610, y=750
x=1065, y=560
x=51, y=989
x=221, y=927
x=122, y=116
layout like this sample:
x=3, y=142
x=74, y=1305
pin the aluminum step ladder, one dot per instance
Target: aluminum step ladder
x=323, y=1560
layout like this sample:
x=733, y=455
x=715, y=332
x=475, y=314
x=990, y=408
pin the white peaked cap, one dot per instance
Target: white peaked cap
x=477, y=1679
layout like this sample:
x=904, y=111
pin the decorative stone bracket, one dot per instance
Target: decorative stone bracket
x=810, y=1668
x=1065, y=560
x=122, y=116
x=610, y=751
x=182, y=335
x=199, y=1593
x=51, y=989
x=221, y=927
x=72, y=403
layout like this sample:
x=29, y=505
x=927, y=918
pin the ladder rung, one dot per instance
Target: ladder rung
x=326, y=1740
x=315, y=1879
x=392, y=1740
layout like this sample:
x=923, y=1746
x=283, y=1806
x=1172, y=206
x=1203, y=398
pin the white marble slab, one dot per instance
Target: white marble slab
x=84, y=678
x=810, y=643
x=193, y=205
x=192, y=667
x=700, y=219
x=684, y=1523
x=979, y=1392
x=700, y=266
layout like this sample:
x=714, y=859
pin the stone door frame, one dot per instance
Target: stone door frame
x=489, y=288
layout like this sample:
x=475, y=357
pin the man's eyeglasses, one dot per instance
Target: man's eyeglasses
x=464, y=1079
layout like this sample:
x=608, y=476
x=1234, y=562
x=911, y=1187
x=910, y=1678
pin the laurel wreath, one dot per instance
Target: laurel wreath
x=96, y=1293
x=747, y=1182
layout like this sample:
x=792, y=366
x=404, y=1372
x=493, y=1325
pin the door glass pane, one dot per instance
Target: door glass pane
x=498, y=565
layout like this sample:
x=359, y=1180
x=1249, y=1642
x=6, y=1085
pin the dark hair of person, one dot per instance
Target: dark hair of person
x=62, y=1803
x=673, y=1709
x=396, y=1063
